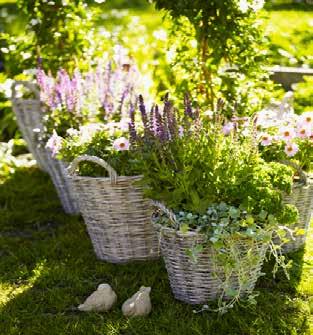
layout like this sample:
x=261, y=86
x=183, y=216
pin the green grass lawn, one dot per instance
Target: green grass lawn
x=48, y=267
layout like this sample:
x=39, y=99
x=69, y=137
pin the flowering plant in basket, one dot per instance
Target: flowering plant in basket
x=106, y=141
x=101, y=95
x=215, y=187
x=288, y=137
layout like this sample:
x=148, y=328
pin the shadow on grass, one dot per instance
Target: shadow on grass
x=43, y=277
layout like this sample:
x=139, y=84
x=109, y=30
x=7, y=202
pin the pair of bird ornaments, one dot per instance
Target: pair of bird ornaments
x=104, y=298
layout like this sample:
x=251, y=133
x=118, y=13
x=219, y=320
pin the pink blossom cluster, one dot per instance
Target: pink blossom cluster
x=289, y=130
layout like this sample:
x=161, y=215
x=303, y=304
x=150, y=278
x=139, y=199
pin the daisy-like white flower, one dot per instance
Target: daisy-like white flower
x=227, y=128
x=304, y=131
x=306, y=118
x=266, y=139
x=291, y=149
x=287, y=133
x=121, y=144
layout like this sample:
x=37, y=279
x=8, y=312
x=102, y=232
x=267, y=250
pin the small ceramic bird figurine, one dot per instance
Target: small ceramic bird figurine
x=139, y=304
x=100, y=300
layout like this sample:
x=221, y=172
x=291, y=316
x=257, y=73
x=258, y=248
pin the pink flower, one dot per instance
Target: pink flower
x=227, y=128
x=306, y=118
x=121, y=144
x=266, y=139
x=287, y=133
x=291, y=149
x=304, y=131
x=54, y=143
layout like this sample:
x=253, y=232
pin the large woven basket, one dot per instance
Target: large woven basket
x=29, y=117
x=202, y=281
x=117, y=216
x=302, y=197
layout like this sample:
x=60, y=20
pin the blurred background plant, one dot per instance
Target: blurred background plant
x=165, y=47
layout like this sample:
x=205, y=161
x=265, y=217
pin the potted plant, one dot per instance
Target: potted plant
x=287, y=137
x=104, y=172
x=219, y=202
x=68, y=101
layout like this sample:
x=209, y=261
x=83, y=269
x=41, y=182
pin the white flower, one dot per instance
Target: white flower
x=160, y=34
x=243, y=6
x=121, y=144
x=291, y=149
x=34, y=22
x=99, y=1
x=88, y=131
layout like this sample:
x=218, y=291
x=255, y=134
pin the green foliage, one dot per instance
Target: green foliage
x=204, y=167
x=303, y=95
x=219, y=49
x=59, y=31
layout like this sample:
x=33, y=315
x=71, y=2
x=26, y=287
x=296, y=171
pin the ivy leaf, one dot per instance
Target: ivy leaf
x=184, y=228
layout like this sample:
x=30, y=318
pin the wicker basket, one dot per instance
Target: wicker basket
x=197, y=283
x=302, y=197
x=29, y=117
x=62, y=183
x=117, y=217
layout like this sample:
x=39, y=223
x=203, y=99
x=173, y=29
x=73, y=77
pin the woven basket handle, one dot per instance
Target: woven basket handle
x=86, y=158
x=166, y=211
x=30, y=86
x=302, y=174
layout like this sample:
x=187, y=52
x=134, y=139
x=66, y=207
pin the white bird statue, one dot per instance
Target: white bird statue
x=139, y=304
x=100, y=300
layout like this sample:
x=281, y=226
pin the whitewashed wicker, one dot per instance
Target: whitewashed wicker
x=302, y=197
x=62, y=183
x=29, y=117
x=117, y=216
x=197, y=283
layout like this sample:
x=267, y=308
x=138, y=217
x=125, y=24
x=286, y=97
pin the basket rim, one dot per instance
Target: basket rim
x=160, y=228
x=108, y=179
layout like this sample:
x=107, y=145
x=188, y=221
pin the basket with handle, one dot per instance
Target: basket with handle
x=302, y=197
x=202, y=281
x=117, y=216
x=29, y=117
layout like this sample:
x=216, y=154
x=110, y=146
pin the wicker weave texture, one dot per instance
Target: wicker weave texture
x=197, y=283
x=302, y=198
x=62, y=183
x=29, y=117
x=117, y=216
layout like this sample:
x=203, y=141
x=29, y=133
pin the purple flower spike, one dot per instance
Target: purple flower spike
x=187, y=104
x=143, y=112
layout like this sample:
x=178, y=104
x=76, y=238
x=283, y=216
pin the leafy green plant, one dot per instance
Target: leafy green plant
x=218, y=50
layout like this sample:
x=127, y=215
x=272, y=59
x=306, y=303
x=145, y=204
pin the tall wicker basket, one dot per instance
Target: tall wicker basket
x=302, y=197
x=29, y=117
x=117, y=216
x=201, y=281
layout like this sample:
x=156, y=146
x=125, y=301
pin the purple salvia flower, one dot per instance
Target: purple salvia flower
x=187, y=105
x=131, y=125
x=143, y=112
